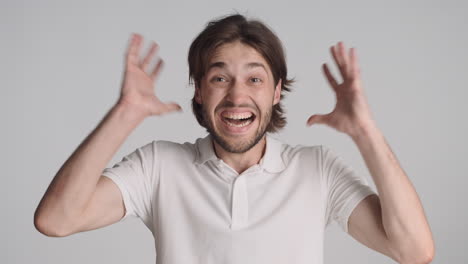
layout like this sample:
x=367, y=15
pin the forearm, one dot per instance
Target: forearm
x=403, y=216
x=75, y=182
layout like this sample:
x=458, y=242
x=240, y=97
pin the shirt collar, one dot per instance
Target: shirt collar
x=271, y=161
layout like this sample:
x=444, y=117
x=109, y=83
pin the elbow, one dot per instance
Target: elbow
x=429, y=255
x=423, y=258
x=44, y=226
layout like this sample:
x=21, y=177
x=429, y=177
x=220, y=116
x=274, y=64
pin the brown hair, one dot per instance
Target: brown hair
x=250, y=32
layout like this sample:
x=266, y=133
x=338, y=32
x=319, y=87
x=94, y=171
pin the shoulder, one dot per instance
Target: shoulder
x=169, y=147
x=316, y=152
x=301, y=152
x=305, y=160
x=166, y=149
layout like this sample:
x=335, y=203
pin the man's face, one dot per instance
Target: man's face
x=237, y=95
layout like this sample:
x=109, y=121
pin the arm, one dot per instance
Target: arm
x=76, y=194
x=401, y=213
x=76, y=181
x=392, y=223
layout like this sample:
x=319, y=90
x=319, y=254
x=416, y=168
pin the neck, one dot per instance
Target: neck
x=242, y=161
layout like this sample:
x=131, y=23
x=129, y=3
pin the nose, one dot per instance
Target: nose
x=238, y=93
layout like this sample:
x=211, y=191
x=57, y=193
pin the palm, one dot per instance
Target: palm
x=351, y=110
x=138, y=86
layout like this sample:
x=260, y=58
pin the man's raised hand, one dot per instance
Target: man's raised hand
x=351, y=112
x=137, y=90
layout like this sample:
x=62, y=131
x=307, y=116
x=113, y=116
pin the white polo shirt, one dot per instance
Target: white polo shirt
x=200, y=210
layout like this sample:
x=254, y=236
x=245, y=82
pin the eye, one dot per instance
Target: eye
x=255, y=80
x=218, y=79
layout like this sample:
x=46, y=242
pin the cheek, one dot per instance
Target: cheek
x=210, y=103
x=213, y=97
x=266, y=102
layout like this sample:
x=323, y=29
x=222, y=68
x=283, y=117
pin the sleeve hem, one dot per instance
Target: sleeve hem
x=352, y=204
x=126, y=199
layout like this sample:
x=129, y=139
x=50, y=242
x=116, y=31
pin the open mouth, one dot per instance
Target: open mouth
x=237, y=119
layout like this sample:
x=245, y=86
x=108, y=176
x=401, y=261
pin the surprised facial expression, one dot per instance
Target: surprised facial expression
x=237, y=95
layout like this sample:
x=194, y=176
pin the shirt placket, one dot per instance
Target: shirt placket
x=240, y=203
x=239, y=198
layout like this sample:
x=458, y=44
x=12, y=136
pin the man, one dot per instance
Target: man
x=238, y=195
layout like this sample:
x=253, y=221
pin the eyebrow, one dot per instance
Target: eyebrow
x=222, y=65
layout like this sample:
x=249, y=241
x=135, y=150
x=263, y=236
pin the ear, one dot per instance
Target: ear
x=198, y=95
x=277, y=96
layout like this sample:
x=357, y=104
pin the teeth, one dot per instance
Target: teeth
x=238, y=116
x=239, y=125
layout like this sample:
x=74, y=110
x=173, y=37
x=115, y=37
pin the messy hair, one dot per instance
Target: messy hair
x=253, y=33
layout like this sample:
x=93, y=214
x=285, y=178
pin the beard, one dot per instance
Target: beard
x=239, y=147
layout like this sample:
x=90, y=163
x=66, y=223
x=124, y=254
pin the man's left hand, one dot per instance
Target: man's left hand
x=351, y=113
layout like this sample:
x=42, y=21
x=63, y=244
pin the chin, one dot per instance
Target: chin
x=237, y=143
x=240, y=138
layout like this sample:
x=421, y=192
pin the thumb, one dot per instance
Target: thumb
x=317, y=119
x=169, y=107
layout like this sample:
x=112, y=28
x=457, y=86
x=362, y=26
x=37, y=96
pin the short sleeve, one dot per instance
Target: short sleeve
x=345, y=188
x=135, y=175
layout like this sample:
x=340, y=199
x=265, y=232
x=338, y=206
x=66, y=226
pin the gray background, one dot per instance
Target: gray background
x=61, y=68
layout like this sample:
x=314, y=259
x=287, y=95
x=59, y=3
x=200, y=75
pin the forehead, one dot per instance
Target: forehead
x=237, y=53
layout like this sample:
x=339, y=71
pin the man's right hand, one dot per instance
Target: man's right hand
x=137, y=91
x=79, y=198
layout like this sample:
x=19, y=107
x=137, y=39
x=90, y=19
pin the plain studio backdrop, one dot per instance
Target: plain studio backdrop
x=61, y=70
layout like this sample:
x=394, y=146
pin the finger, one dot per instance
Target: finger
x=342, y=54
x=157, y=69
x=152, y=50
x=355, y=71
x=134, y=49
x=317, y=119
x=330, y=77
x=338, y=60
x=344, y=58
x=169, y=107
